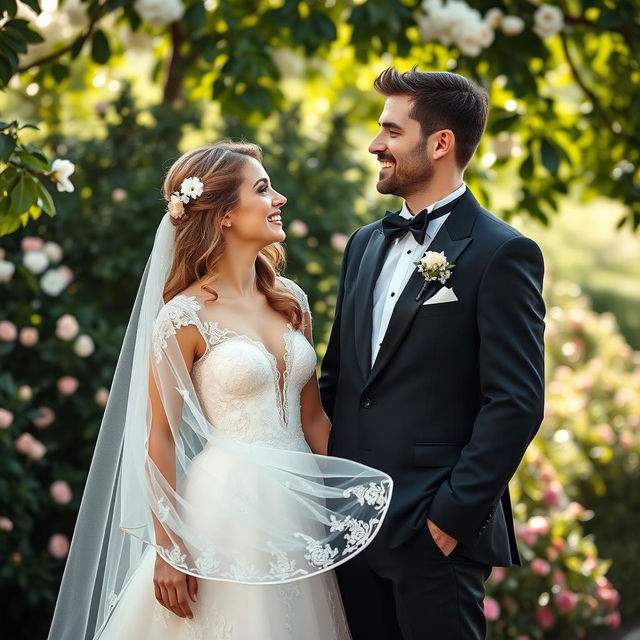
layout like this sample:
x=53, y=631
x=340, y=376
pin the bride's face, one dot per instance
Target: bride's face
x=257, y=216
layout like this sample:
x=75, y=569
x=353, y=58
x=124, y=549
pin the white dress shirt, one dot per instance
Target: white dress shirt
x=397, y=269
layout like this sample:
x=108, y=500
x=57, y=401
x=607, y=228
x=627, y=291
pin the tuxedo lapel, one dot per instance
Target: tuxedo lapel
x=453, y=238
x=370, y=267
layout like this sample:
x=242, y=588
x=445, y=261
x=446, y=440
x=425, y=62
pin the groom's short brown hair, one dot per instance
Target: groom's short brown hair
x=441, y=100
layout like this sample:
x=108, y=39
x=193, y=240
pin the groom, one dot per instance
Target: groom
x=437, y=382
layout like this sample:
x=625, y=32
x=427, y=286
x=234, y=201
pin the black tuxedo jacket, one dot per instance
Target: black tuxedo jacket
x=457, y=390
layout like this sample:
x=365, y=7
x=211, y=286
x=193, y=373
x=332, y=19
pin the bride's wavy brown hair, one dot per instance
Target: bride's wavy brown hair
x=199, y=242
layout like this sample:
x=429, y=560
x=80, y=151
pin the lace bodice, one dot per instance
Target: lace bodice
x=237, y=379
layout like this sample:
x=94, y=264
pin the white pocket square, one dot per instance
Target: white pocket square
x=444, y=295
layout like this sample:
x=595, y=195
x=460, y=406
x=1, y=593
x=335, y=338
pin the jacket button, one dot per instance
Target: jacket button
x=367, y=403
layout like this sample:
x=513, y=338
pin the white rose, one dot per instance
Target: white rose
x=548, y=20
x=36, y=261
x=433, y=259
x=60, y=172
x=159, y=13
x=493, y=17
x=512, y=25
x=53, y=282
x=7, y=269
x=53, y=250
x=84, y=346
x=485, y=35
x=67, y=327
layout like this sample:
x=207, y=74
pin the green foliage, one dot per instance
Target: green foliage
x=564, y=103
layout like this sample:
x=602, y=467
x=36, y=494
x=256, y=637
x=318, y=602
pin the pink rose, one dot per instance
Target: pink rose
x=6, y=418
x=60, y=492
x=8, y=331
x=498, y=574
x=6, y=524
x=613, y=619
x=30, y=447
x=523, y=638
x=31, y=243
x=298, y=229
x=58, y=545
x=545, y=618
x=67, y=327
x=67, y=385
x=101, y=397
x=28, y=336
x=119, y=195
x=67, y=274
x=565, y=601
x=527, y=535
x=609, y=596
x=16, y=557
x=605, y=433
x=576, y=509
x=552, y=495
x=339, y=241
x=25, y=393
x=558, y=577
x=540, y=525
x=491, y=609
x=46, y=417
x=540, y=567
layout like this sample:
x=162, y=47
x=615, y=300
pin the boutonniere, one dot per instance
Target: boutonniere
x=433, y=266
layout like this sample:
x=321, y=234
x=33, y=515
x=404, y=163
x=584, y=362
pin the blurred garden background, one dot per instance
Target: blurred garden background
x=100, y=96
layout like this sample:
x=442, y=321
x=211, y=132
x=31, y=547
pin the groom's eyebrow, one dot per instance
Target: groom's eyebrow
x=390, y=125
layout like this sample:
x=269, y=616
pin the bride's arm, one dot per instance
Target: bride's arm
x=315, y=424
x=171, y=585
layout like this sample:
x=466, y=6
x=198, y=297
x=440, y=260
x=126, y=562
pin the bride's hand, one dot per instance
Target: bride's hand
x=174, y=588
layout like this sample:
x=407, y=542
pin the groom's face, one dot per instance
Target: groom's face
x=401, y=149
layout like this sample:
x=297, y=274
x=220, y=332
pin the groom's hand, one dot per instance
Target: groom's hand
x=444, y=541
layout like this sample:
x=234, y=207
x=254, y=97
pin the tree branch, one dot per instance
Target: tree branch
x=581, y=83
x=78, y=42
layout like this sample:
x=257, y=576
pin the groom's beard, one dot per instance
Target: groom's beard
x=408, y=176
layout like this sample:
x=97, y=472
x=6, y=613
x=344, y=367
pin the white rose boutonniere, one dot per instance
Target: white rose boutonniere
x=433, y=266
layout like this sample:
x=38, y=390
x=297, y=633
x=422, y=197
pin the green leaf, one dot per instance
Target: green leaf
x=7, y=145
x=24, y=194
x=47, y=201
x=100, y=51
x=8, y=223
x=34, y=5
x=195, y=16
x=32, y=161
x=550, y=156
x=526, y=168
x=11, y=7
x=59, y=71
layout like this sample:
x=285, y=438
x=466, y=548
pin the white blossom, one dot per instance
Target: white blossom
x=512, y=25
x=53, y=282
x=60, y=172
x=159, y=13
x=53, y=250
x=191, y=188
x=36, y=261
x=493, y=17
x=548, y=21
x=457, y=23
x=288, y=62
x=7, y=269
x=84, y=346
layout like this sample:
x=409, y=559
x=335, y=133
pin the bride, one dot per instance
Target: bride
x=211, y=510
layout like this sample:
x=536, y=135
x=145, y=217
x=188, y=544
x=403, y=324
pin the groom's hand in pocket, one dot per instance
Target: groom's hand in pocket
x=173, y=589
x=445, y=542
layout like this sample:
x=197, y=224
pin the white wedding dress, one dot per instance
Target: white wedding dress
x=240, y=389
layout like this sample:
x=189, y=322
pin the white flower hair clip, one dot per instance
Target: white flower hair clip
x=190, y=189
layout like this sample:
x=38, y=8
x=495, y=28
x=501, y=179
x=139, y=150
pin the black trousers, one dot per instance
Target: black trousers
x=414, y=592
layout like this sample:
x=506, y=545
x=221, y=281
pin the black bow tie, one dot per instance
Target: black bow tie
x=395, y=226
